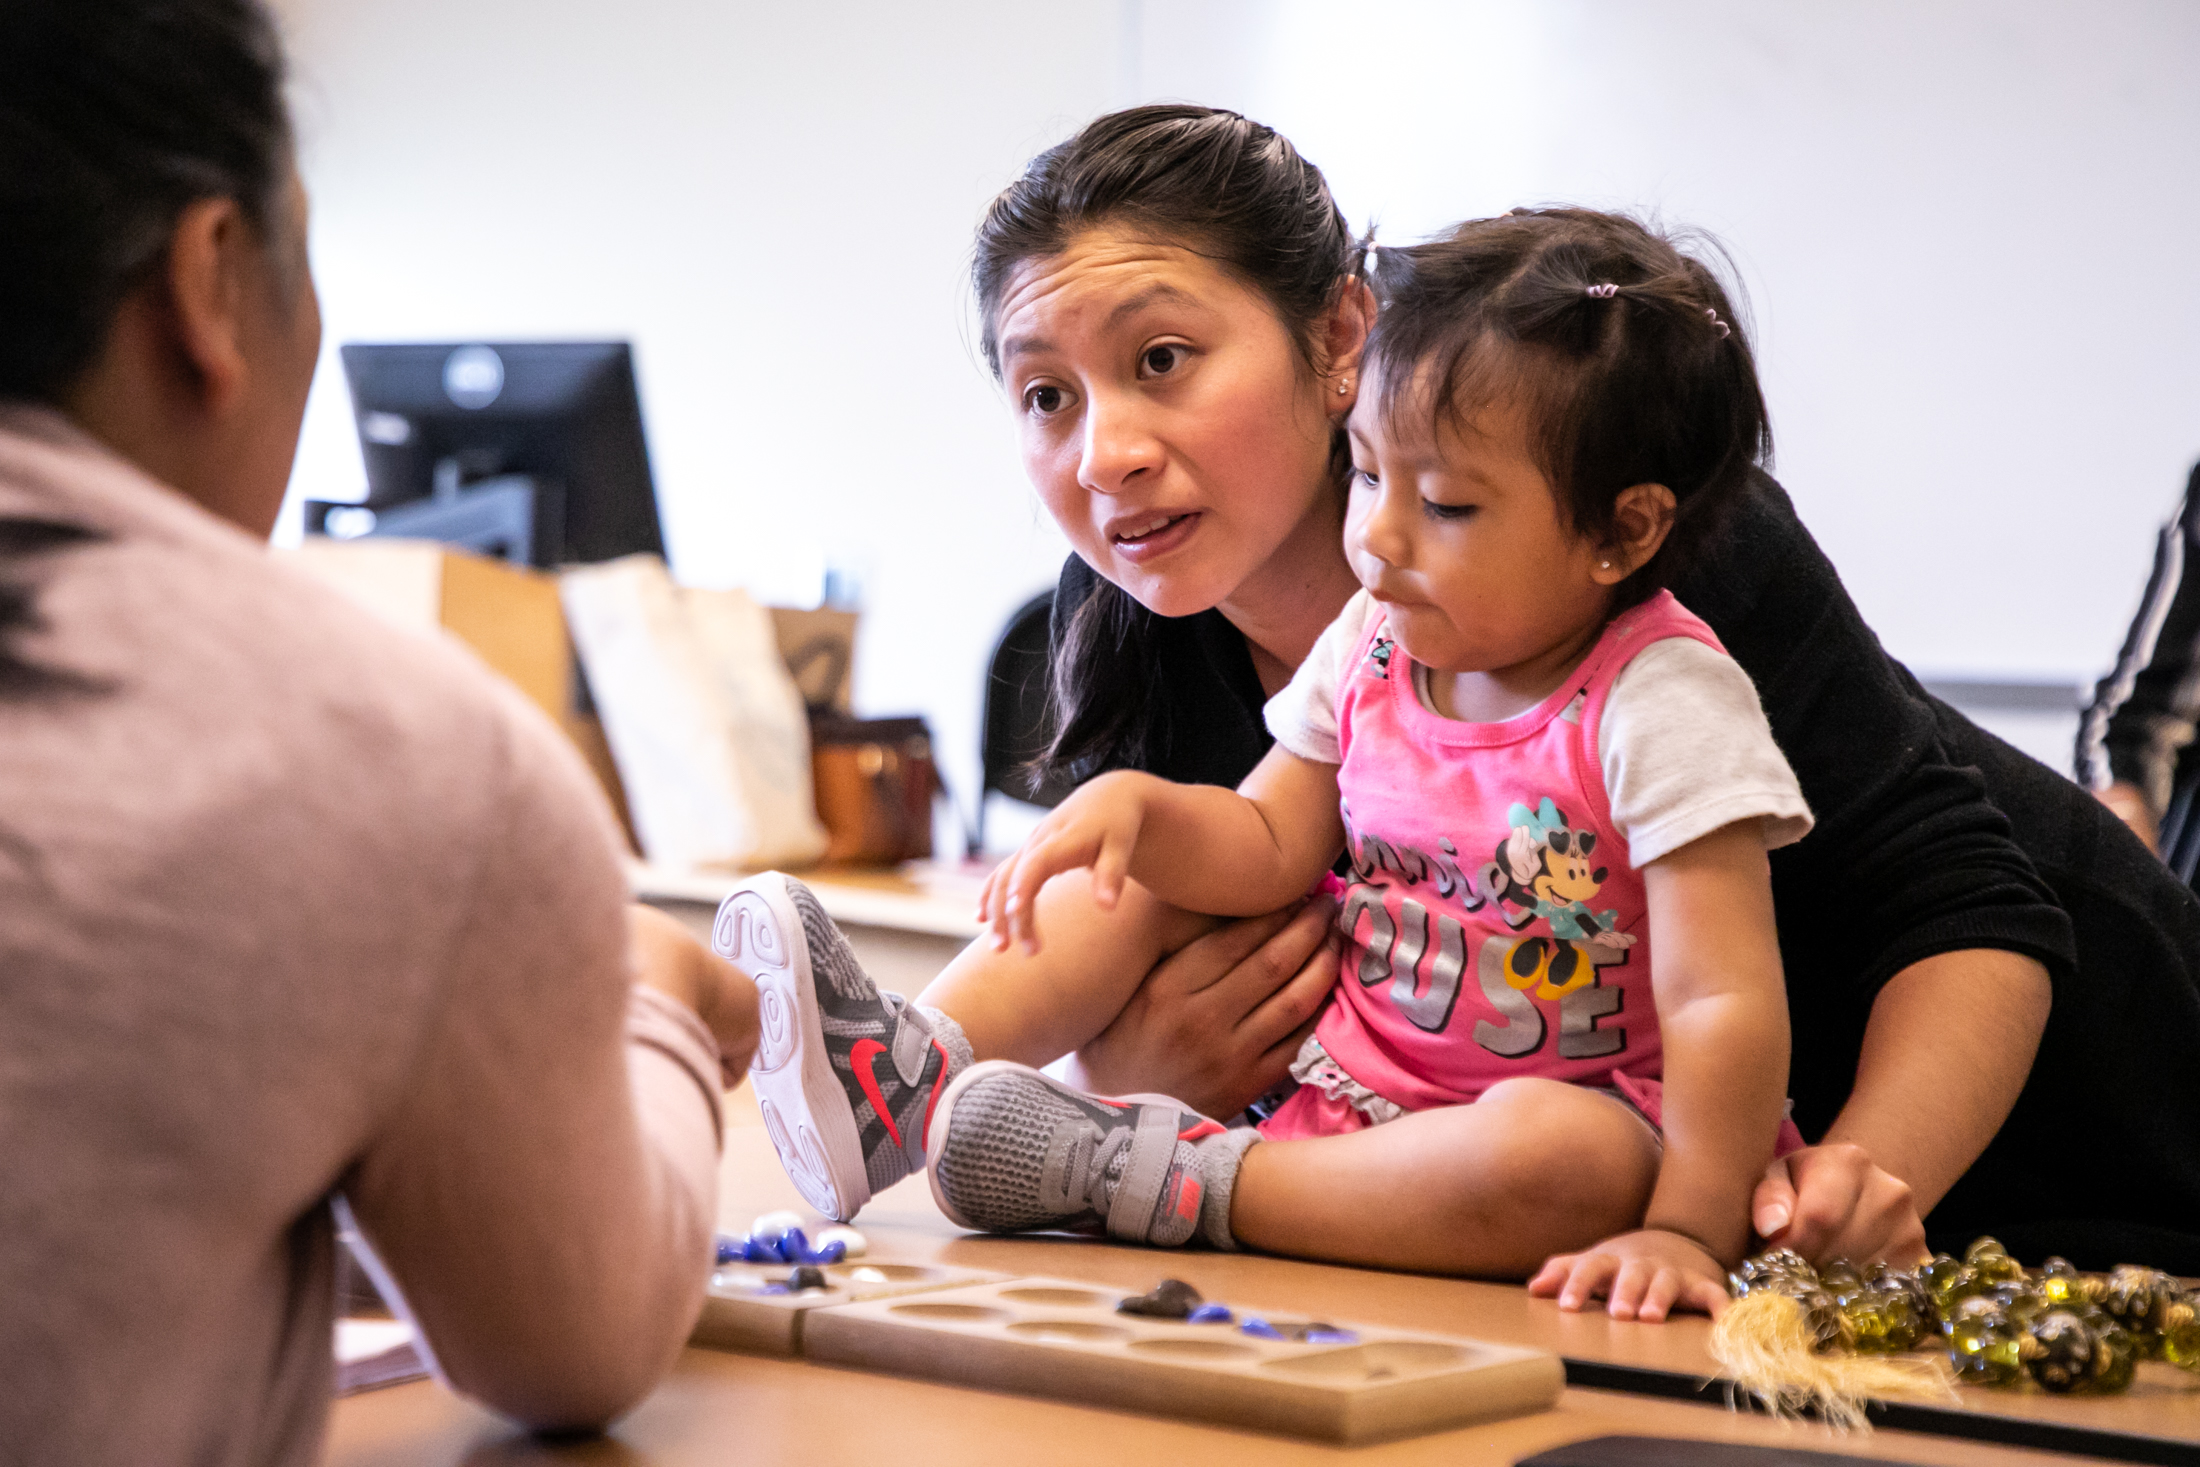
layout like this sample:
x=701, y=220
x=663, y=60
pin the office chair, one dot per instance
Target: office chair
x=1015, y=725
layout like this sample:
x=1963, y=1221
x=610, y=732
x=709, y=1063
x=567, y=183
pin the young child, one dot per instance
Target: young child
x=1562, y=1018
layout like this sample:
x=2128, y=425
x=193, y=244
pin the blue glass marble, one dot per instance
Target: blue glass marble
x=1211, y=1314
x=1330, y=1336
x=792, y=1246
x=1259, y=1328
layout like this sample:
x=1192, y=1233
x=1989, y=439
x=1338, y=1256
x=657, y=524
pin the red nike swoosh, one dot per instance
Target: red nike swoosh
x=860, y=1058
x=938, y=1086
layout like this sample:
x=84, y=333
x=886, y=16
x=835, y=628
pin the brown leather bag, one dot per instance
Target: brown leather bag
x=875, y=784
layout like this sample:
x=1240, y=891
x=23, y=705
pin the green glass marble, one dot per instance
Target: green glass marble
x=2060, y=1284
x=2180, y=1339
x=2058, y=1350
x=2115, y=1363
x=1983, y=1350
x=2139, y=1298
x=1885, y=1321
x=2069, y=1331
x=1954, y=1287
x=1830, y=1328
x=1781, y=1271
x=2020, y=1301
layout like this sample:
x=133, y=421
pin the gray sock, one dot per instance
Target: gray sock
x=1219, y=1160
x=950, y=1034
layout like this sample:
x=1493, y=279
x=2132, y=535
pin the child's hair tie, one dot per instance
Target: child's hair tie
x=1714, y=315
x=1604, y=292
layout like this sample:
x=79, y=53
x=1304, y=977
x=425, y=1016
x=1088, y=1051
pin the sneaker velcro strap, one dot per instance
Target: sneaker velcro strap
x=912, y=1044
x=1138, y=1193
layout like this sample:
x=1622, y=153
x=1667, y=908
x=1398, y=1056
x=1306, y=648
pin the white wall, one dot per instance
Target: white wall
x=774, y=203
x=1967, y=228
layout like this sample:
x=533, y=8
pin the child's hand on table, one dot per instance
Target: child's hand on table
x=1097, y=826
x=1644, y=1275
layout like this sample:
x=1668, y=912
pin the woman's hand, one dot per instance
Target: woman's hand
x=1097, y=826
x=1644, y=1275
x=1218, y=1022
x=667, y=957
x=1959, y=1028
x=1829, y=1202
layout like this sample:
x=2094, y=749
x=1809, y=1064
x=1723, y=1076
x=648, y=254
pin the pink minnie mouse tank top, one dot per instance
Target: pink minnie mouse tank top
x=1495, y=925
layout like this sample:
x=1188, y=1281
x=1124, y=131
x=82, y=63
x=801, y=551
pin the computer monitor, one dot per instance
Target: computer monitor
x=530, y=450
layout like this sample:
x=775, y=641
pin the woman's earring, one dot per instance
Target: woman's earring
x=1604, y=564
x=1344, y=387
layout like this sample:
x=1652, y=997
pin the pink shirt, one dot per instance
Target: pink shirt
x=290, y=904
x=1496, y=924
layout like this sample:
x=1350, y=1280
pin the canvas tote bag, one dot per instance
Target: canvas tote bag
x=709, y=733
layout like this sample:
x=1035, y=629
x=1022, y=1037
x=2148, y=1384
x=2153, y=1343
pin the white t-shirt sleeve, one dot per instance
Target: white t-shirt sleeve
x=1303, y=717
x=1686, y=751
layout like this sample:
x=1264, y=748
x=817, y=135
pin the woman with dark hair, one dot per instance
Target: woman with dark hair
x=1957, y=906
x=291, y=905
x=1172, y=301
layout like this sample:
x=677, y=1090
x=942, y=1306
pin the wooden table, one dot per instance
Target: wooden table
x=720, y=1408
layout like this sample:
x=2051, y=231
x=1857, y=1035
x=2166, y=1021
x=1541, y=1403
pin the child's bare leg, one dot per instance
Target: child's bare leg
x=1036, y=1007
x=1535, y=1167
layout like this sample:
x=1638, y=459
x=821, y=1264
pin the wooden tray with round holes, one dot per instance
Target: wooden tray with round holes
x=742, y=1312
x=1063, y=1340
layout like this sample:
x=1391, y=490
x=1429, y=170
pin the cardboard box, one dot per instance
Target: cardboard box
x=509, y=615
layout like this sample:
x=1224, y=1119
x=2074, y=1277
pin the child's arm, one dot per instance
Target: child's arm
x=1234, y=853
x=1722, y=1009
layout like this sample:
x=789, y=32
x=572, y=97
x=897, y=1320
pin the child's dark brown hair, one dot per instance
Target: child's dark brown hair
x=1624, y=353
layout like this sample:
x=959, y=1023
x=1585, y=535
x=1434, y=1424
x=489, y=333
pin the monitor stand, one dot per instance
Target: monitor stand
x=513, y=517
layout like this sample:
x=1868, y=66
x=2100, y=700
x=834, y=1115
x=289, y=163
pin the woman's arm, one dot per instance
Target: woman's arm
x=1199, y=847
x=1960, y=1028
x=1910, y=866
x=1722, y=1021
x=543, y=1188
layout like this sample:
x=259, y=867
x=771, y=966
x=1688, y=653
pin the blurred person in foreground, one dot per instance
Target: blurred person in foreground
x=292, y=905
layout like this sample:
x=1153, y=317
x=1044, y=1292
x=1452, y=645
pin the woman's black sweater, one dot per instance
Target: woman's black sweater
x=1932, y=836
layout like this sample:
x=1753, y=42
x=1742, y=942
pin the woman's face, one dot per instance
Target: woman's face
x=1166, y=416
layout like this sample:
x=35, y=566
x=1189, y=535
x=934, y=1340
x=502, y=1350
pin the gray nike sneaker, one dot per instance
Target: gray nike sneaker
x=846, y=1076
x=1014, y=1150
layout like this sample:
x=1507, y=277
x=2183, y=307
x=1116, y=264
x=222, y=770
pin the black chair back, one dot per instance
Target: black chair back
x=1015, y=726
